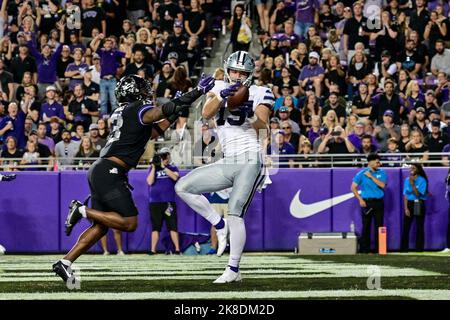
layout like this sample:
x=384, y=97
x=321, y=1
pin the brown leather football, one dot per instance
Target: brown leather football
x=238, y=99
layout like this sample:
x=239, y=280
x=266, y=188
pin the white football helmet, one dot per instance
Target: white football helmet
x=240, y=61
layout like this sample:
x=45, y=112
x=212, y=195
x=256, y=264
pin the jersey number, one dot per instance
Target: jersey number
x=116, y=125
x=237, y=117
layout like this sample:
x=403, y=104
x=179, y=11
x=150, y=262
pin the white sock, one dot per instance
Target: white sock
x=83, y=211
x=201, y=205
x=236, y=227
x=66, y=262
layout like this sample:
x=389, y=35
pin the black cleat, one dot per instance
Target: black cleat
x=74, y=216
x=62, y=270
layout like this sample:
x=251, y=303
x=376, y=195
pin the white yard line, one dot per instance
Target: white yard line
x=410, y=293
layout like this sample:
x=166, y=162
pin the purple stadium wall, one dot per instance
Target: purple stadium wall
x=34, y=206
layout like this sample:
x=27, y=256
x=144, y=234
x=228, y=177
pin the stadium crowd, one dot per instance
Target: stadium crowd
x=348, y=77
x=60, y=61
x=357, y=76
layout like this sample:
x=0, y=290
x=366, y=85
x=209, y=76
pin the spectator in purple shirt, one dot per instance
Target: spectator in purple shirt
x=314, y=132
x=161, y=181
x=278, y=147
x=46, y=65
x=305, y=15
x=14, y=125
x=312, y=75
x=356, y=137
x=110, y=61
x=51, y=108
x=294, y=39
x=414, y=99
x=76, y=69
x=44, y=139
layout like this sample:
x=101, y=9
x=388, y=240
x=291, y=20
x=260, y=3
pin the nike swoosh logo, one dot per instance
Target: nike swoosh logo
x=301, y=210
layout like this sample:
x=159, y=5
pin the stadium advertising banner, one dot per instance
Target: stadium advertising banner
x=34, y=206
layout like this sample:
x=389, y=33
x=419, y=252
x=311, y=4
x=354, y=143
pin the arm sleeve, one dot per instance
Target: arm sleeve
x=433, y=63
x=33, y=50
x=57, y=153
x=422, y=186
x=383, y=177
x=357, y=178
x=392, y=69
x=57, y=53
x=61, y=113
x=375, y=100
x=405, y=187
x=102, y=14
x=142, y=111
x=346, y=27
x=291, y=150
x=188, y=97
x=268, y=99
x=302, y=75
x=120, y=54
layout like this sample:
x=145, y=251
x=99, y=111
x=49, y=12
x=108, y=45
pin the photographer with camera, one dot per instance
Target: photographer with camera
x=337, y=142
x=161, y=181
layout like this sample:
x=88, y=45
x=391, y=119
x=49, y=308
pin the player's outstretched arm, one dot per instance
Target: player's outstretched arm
x=211, y=106
x=159, y=128
x=172, y=109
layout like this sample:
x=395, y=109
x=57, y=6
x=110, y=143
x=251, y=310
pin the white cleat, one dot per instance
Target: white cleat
x=446, y=250
x=120, y=253
x=105, y=253
x=222, y=238
x=229, y=276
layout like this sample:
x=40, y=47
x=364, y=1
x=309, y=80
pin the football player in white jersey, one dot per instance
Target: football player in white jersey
x=240, y=131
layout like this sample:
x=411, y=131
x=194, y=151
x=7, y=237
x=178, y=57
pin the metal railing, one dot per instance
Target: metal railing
x=273, y=160
x=358, y=160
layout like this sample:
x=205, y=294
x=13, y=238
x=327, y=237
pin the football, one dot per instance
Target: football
x=241, y=96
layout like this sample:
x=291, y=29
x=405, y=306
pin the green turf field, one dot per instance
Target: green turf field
x=265, y=276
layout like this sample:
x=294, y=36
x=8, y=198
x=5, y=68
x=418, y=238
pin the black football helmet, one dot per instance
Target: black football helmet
x=133, y=88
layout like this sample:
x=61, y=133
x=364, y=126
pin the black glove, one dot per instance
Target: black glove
x=7, y=177
x=174, y=117
x=175, y=107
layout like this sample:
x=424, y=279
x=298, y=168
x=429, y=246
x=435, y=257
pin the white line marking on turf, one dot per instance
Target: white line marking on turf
x=410, y=293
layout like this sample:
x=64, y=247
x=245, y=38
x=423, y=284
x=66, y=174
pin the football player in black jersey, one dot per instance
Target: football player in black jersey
x=133, y=122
